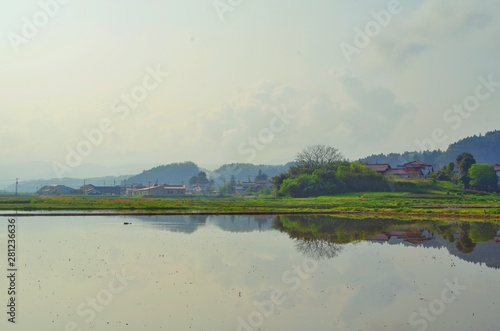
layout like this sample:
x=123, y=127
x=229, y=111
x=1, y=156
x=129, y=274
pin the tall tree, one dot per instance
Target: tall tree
x=261, y=176
x=444, y=174
x=464, y=162
x=193, y=181
x=482, y=177
x=315, y=156
x=202, y=178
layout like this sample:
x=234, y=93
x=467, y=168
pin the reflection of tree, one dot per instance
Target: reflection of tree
x=482, y=232
x=446, y=231
x=464, y=243
x=322, y=236
x=318, y=249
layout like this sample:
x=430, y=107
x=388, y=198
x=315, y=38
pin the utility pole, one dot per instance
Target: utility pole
x=17, y=185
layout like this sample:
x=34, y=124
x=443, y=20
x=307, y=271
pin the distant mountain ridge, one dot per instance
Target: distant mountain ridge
x=245, y=171
x=174, y=173
x=484, y=148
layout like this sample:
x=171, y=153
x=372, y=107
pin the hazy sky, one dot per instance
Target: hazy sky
x=239, y=80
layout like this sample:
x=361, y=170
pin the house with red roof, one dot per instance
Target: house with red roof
x=414, y=169
x=380, y=168
x=403, y=172
x=426, y=168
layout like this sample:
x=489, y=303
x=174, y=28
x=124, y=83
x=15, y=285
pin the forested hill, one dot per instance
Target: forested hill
x=484, y=148
x=244, y=171
x=175, y=173
x=178, y=173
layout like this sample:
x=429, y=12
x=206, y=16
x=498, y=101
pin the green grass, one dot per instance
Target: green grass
x=426, y=198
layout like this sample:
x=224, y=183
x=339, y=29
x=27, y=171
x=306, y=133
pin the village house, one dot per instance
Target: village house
x=403, y=172
x=257, y=186
x=101, y=190
x=133, y=189
x=414, y=169
x=411, y=236
x=380, y=168
x=425, y=168
x=164, y=190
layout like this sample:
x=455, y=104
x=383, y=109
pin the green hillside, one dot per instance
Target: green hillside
x=485, y=148
x=244, y=171
x=174, y=173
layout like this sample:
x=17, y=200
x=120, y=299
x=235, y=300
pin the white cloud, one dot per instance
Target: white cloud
x=396, y=90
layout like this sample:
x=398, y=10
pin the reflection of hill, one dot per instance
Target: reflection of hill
x=171, y=223
x=487, y=253
x=190, y=223
x=336, y=230
x=242, y=223
x=323, y=236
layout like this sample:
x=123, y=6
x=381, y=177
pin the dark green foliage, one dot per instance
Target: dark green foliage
x=485, y=148
x=241, y=171
x=334, y=178
x=444, y=174
x=464, y=162
x=260, y=176
x=174, y=173
x=482, y=177
x=229, y=187
x=482, y=232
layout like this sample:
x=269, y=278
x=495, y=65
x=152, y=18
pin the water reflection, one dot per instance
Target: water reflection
x=192, y=223
x=322, y=236
x=214, y=272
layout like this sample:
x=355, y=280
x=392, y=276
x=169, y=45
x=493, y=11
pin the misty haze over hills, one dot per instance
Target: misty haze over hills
x=485, y=148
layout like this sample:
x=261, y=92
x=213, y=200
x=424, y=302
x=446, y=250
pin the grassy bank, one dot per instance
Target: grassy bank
x=423, y=199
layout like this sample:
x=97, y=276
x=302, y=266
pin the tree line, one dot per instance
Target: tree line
x=469, y=173
x=323, y=170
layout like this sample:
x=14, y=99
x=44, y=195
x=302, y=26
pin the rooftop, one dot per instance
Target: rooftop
x=417, y=164
x=378, y=167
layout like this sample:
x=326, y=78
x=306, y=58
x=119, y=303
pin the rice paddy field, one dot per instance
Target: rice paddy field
x=422, y=199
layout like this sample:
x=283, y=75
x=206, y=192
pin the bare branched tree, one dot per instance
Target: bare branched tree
x=318, y=155
x=318, y=249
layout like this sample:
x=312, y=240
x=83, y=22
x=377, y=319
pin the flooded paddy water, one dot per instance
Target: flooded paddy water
x=251, y=273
